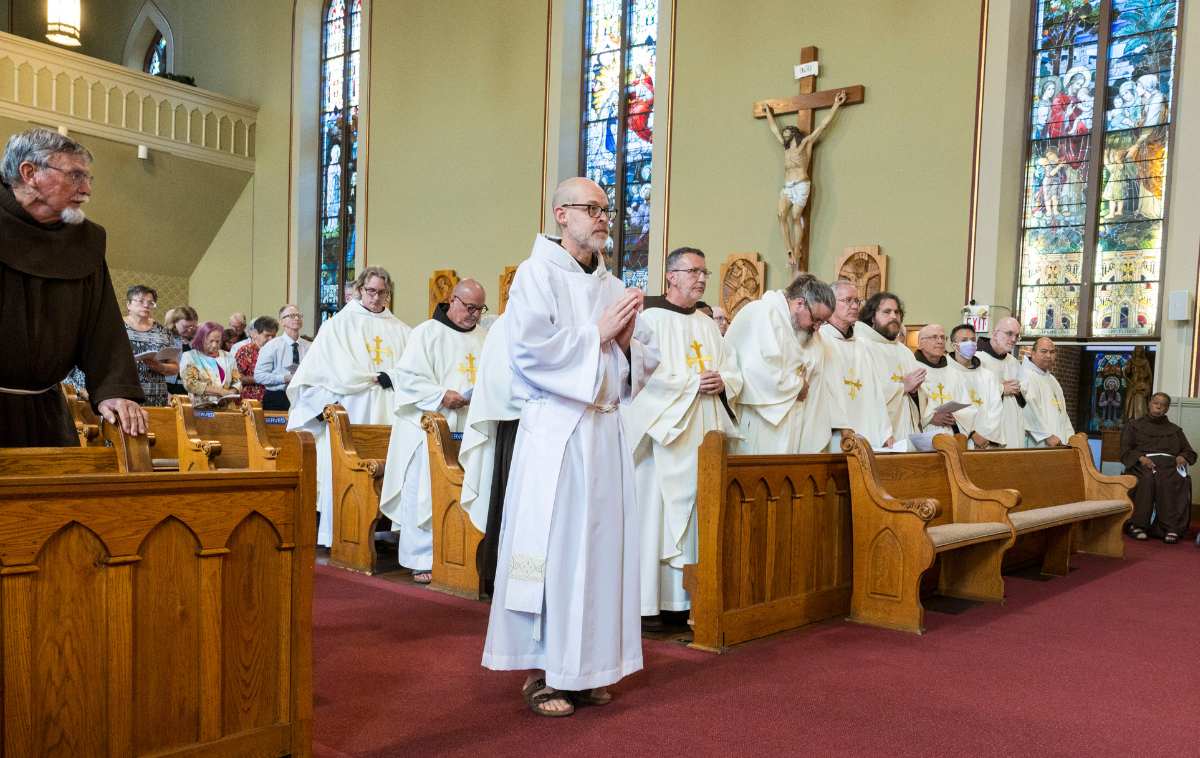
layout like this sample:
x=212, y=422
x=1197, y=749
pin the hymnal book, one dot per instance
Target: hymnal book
x=951, y=407
x=166, y=354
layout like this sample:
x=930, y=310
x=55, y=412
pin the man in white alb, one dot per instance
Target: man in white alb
x=436, y=373
x=1047, y=423
x=852, y=388
x=275, y=357
x=996, y=355
x=898, y=373
x=954, y=379
x=354, y=347
x=781, y=358
x=567, y=584
x=692, y=392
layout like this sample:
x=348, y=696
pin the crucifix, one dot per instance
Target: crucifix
x=798, y=143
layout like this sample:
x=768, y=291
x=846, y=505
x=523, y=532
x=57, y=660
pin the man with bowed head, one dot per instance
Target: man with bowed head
x=1047, y=423
x=567, y=585
x=996, y=355
x=853, y=389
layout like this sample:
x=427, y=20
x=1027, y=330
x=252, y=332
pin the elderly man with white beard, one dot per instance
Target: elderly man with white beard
x=996, y=355
x=690, y=394
x=567, y=583
x=853, y=390
x=781, y=362
x=898, y=372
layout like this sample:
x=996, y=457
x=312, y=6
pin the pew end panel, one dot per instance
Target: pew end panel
x=133, y=453
x=87, y=423
x=1101, y=536
x=774, y=544
x=159, y=624
x=455, y=538
x=166, y=438
x=358, y=458
x=260, y=446
x=195, y=453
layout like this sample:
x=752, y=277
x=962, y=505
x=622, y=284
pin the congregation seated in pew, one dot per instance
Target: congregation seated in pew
x=208, y=372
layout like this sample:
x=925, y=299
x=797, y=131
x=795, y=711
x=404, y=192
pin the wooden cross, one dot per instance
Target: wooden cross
x=940, y=396
x=854, y=386
x=1057, y=403
x=976, y=400
x=699, y=358
x=470, y=368
x=378, y=351
x=804, y=106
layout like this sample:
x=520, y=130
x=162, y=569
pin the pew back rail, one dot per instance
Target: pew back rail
x=358, y=457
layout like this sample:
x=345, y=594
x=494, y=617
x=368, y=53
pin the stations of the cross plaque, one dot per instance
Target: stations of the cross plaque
x=797, y=194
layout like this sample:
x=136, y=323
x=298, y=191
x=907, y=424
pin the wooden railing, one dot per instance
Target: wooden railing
x=47, y=85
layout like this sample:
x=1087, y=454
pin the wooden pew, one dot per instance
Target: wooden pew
x=123, y=454
x=1062, y=496
x=87, y=423
x=359, y=454
x=455, y=538
x=210, y=440
x=775, y=544
x=164, y=614
x=909, y=509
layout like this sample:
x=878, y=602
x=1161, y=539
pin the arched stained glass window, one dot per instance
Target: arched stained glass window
x=618, y=123
x=1094, y=219
x=339, y=153
x=156, y=56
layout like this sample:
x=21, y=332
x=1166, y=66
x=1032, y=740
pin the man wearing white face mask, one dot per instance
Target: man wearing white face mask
x=996, y=355
x=979, y=385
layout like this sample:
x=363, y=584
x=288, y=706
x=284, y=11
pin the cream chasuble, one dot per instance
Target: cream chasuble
x=852, y=388
x=667, y=422
x=438, y=358
x=775, y=363
x=1045, y=408
x=567, y=580
x=953, y=382
x=491, y=403
x=1012, y=422
x=891, y=362
x=350, y=350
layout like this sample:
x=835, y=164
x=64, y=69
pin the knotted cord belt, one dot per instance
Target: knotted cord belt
x=7, y=391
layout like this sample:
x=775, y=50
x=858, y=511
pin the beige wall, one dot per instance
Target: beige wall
x=894, y=171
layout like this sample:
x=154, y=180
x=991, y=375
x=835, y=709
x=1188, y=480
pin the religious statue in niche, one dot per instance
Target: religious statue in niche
x=440, y=287
x=1137, y=381
x=864, y=266
x=742, y=281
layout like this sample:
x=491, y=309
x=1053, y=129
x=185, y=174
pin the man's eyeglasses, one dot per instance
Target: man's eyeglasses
x=144, y=303
x=592, y=210
x=372, y=292
x=696, y=271
x=938, y=338
x=290, y=315
x=852, y=300
x=78, y=178
x=471, y=309
x=1014, y=335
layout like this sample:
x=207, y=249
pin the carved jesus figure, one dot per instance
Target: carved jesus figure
x=797, y=152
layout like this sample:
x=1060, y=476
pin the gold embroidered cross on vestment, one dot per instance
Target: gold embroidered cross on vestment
x=378, y=351
x=854, y=386
x=700, y=359
x=940, y=396
x=470, y=368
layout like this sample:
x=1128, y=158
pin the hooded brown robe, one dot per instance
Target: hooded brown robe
x=1163, y=491
x=58, y=310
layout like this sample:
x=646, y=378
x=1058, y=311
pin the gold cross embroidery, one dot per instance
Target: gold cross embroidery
x=854, y=386
x=699, y=358
x=940, y=396
x=378, y=351
x=470, y=368
x=1057, y=403
x=976, y=400
x=899, y=375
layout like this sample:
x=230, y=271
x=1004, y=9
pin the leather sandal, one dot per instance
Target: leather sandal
x=1137, y=534
x=1171, y=539
x=537, y=694
x=428, y=577
x=589, y=697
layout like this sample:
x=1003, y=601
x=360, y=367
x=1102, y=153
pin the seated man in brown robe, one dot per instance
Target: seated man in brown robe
x=56, y=298
x=1158, y=454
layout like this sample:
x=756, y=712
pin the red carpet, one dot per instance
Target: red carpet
x=1103, y=662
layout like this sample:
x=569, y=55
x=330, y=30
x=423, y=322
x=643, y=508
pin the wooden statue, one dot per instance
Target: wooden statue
x=1137, y=383
x=506, y=280
x=794, y=205
x=440, y=287
x=743, y=279
x=864, y=266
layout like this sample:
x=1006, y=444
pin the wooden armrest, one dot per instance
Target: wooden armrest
x=923, y=508
x=192, y=449
x=343, y=442
x=1097, y=486
x=373, y=466
x=438, y=432
x=975, y=505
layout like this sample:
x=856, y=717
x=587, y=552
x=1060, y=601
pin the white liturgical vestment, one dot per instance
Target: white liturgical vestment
x=667, y=422
x=438, y=358
x=491, y=403
x=350, y=350
x=892, y=361
x=776, y=361
x=1012, y=421
x=951, y=382
x=852, y=388
x=1045, y=412
x=567, y=581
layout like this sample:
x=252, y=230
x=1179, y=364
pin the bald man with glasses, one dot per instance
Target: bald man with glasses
x=996, y=355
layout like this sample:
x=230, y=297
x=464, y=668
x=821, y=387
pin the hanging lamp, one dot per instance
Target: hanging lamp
x=62, y=22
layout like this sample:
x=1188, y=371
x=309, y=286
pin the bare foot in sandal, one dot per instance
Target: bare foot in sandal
x=422, y=577
x=543, y=699
x=594, y=696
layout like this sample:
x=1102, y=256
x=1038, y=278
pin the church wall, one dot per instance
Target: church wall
x=894, y=171
x=223, y=282
x=455, y=140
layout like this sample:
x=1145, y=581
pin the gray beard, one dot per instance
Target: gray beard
x=73, y=216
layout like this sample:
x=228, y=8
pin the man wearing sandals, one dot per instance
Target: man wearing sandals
x=566, y=604
x=1158, y=454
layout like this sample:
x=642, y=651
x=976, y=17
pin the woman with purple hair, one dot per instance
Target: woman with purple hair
x=209, y=373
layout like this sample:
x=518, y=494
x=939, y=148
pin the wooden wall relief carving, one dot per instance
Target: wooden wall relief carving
x=743, y=279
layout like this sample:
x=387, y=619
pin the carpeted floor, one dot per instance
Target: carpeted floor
x=1105, y=662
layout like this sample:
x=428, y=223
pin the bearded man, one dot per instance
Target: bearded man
x=56, y=298
x=900, y=376
x=781, y=360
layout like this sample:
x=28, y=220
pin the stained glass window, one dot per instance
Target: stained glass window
x=339, y=153
x=1093, y=220
x=618, y=124
x=156, y=56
